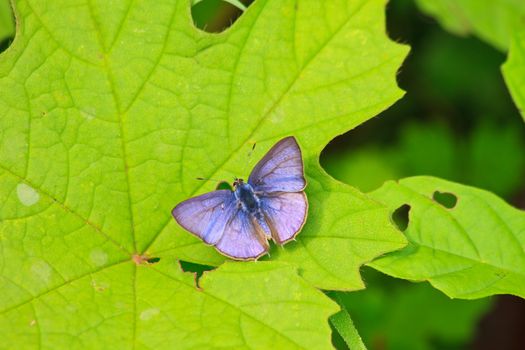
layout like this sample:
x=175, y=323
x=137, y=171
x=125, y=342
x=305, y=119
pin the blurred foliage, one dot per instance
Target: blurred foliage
x=491, y=20
x=514, y=69
x=456, y=121
x=486, y=157
x=393, y=314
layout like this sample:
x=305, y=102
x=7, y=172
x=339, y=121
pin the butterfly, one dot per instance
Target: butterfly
x=270, y=205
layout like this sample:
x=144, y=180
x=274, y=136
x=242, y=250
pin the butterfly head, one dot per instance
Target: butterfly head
x=237, y=182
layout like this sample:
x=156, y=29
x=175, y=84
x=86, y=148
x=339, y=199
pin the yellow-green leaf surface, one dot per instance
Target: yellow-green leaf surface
x=494, y=21
x=470, y=250
x=108, y=112
x=160, y=307
x=514, y=70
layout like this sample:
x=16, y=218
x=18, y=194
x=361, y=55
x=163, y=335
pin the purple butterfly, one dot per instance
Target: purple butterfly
x=271, y=205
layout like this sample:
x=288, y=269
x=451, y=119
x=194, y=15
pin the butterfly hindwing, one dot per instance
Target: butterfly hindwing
x=285, y=213
x=242, y=238
x=280, y=170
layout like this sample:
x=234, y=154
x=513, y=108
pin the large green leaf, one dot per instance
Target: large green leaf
x=494, y=21
x=514, y=70
x=108, y=112
x=470, y=250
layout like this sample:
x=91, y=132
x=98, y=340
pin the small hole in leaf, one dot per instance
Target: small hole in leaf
x=197, y=269
x=7, y=25
x=400, y=217
x=153, y=260
x=215, y=16
x=446, y=199
x=4, y=44
x=144, y=259
x=223, y=185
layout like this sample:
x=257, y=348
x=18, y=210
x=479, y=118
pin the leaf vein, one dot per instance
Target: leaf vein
x=120, y=117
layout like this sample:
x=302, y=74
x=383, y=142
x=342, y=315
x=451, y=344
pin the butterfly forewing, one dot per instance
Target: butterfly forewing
x=206, y=215
x=280, y=170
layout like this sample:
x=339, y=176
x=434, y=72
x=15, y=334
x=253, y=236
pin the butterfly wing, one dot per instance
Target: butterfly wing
x=243, y=238
x=285, y=213
x=280, y=170
x=207, y=215
x=216, y=219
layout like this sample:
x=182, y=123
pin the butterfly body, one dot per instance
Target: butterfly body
x=270, y=205
x=246, y=197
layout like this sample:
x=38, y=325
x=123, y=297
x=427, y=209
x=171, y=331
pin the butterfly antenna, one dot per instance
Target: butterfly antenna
x=206, y=179
x=248, y=157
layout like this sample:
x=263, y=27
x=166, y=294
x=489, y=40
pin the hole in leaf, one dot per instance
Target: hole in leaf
x=215, y=16
x=400, y=217
x=144, y=259
x=4, y=44
x=7, y=25
x=223, y=185
x=446, y=199
x=153, y=260
x=197, y=269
